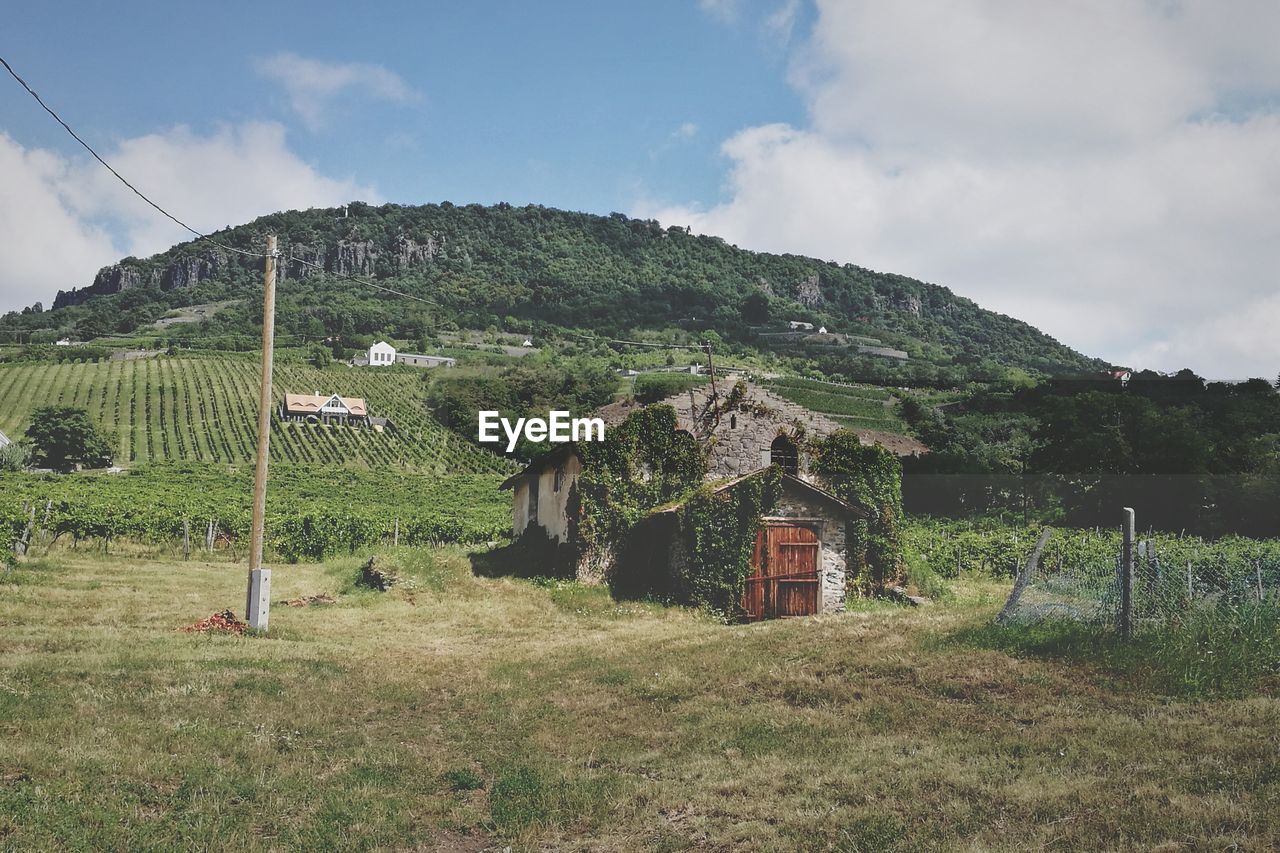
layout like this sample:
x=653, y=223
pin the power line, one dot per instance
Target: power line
x=105, y=164
x=170, y=216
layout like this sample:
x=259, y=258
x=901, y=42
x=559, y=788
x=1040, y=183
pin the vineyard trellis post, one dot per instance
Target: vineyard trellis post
x=1126, y=576
x=258, y=597
x=186, y=539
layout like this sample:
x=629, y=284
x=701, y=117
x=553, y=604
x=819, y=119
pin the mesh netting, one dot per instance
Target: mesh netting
x=1173, y=578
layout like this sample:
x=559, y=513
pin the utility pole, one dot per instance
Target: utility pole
x=257, y=606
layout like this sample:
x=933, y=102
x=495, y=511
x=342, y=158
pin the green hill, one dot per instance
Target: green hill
x=539, y=270
x=203, y=409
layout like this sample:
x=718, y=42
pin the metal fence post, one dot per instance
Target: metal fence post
x=1126, y=577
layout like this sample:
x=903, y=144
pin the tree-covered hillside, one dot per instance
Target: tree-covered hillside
x=541, y=270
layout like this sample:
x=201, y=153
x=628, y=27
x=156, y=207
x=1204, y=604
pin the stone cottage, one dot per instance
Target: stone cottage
x=799, y=566
x=743, y=429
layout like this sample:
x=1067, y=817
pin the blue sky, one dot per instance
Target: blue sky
x=1108, y=170
x=582, y=105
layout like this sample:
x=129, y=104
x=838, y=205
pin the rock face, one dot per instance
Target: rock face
x=354, y=257
x=809, y=291
x=297, y=261
x=191, y=270
x=112, y=279
x=411, y=253
x=909, y=304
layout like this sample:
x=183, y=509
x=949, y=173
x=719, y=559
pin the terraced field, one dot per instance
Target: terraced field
x=857, y=407
x=203, y=409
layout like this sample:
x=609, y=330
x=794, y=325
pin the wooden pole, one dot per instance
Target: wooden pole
x=186, y=539
x=258, y=599
x=1126, y=577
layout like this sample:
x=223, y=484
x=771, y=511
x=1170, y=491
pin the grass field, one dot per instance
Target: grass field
x=204, y=409
x=463, y=714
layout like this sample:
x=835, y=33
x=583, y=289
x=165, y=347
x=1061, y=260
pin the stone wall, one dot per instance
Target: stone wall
x=738, y=441
x=833, y=552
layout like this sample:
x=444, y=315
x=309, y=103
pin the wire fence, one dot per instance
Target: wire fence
x=1172, y=579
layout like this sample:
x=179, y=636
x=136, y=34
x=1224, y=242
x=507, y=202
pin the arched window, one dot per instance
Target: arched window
x=783, y=453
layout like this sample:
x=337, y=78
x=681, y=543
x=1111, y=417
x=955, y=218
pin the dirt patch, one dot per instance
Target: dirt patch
x=309, y=600
x=374, y=576
x=219, y=623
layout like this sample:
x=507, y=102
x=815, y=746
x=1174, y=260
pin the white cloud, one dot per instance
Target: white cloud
x=312, y=85
x=1085, y=167
x=66, y=218
x=47, y=246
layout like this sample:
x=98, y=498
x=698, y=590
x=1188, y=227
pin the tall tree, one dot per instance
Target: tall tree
x=63, y=437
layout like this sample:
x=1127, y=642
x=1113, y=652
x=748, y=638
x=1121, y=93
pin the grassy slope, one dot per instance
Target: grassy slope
x=204, y=409
x=585, y=724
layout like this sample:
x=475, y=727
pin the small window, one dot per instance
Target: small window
x=783, y=453
x=733, y=421
x=533, y=499
x=558, y=480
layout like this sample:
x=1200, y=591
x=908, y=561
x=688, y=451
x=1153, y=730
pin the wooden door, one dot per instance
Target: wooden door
x=784, y=577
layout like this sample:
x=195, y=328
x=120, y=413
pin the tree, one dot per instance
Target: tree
x=15, y=457
x=63, y=437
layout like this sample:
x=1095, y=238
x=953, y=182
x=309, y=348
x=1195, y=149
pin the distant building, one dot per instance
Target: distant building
x=1122, y=375
x=413, y=359
x=4, y=440
x=822, y=330
x=528, y=342
x=317, y=408
x=382, y=354
x=63, y=342
x=800, y=325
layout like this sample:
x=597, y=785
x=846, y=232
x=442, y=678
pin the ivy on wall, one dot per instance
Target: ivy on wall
x=870, y=477
x=717, y=533
x=643, y=462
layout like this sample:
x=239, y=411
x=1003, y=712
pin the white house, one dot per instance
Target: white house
x=382, y=354
x=63, y=342
x=317, y=407
x=800, y=325
x=4, y=440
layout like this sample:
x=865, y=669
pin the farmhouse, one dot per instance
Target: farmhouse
x=318, y=408
x=799, y=566
x=413, y=359
x=382, y=354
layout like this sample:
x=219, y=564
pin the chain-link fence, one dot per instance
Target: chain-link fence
x=1171, y=579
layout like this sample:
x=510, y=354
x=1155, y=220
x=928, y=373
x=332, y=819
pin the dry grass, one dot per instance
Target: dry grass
x=467, y=713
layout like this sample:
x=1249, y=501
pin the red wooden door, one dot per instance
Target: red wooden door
x=784, y=577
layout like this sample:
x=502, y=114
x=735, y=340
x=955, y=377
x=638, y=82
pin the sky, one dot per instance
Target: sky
x=1107, y=170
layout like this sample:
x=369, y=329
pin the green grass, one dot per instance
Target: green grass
x=470, y=713
x=204, y=409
